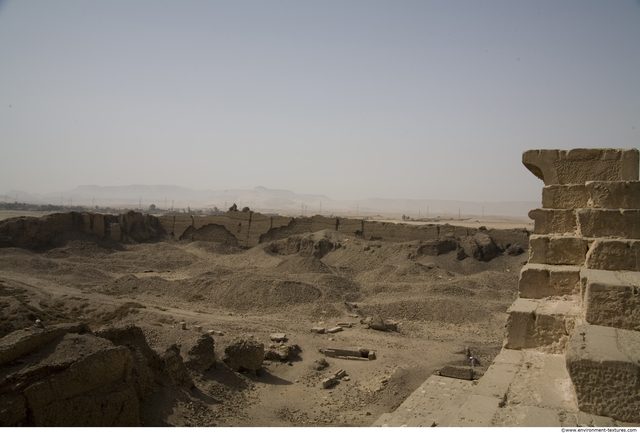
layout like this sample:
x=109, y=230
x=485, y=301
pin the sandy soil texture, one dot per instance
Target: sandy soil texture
x=442, y=305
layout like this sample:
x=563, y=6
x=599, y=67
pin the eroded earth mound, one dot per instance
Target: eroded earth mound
x=152, y=319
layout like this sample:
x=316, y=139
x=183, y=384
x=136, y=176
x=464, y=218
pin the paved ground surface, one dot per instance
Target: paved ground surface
x=526, y=388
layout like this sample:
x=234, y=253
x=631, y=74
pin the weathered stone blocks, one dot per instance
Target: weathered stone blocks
x=555, y=166
x=614, y=255
x=558, y=250
x=603, y=365
x=565, y=196
x=592, y=194
x=534, y=323
x=539, y=280
x=614, y=195
x=622, y=223
x=611, y=298
x=554, y=221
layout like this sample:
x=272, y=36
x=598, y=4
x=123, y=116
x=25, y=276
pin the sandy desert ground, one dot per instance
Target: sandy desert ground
x=443, y=305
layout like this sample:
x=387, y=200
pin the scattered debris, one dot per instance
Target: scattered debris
x=334, y=330
x=327, y=382
x=354, y=355
x=344, y=324
x=320, y=364
x=391, y=325
x=282, y=352
x=318, y=330
x=376, y=322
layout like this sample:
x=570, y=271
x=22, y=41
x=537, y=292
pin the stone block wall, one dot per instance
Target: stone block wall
x=580, y=290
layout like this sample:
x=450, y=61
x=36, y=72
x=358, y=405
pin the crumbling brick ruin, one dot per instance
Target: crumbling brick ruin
x=580, y=287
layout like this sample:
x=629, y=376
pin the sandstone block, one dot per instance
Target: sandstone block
x=614, y=254
x=554, y=221
x=603, y=365
x=622, y=223
x=564, y=196
x=520, y=323
x=558, y=250
x=611, y=298
x=539, y=281
x=614, y=195
x=477, y=411
x=539, y=323
x=573, y=166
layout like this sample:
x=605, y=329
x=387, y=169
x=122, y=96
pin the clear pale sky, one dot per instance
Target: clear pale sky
x=352, y=99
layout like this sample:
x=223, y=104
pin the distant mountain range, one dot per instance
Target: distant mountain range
x=264, y=200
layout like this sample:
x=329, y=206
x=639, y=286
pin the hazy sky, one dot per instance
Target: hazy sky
x=352, y=99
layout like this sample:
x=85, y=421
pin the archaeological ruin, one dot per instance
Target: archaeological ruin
x=572, y=350
x=244, y=319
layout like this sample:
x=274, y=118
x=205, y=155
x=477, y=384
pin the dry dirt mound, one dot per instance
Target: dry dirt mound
x=303, y=265
x=258, y=294
x=212, y=247
x=441, y=301
x=316, y=245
